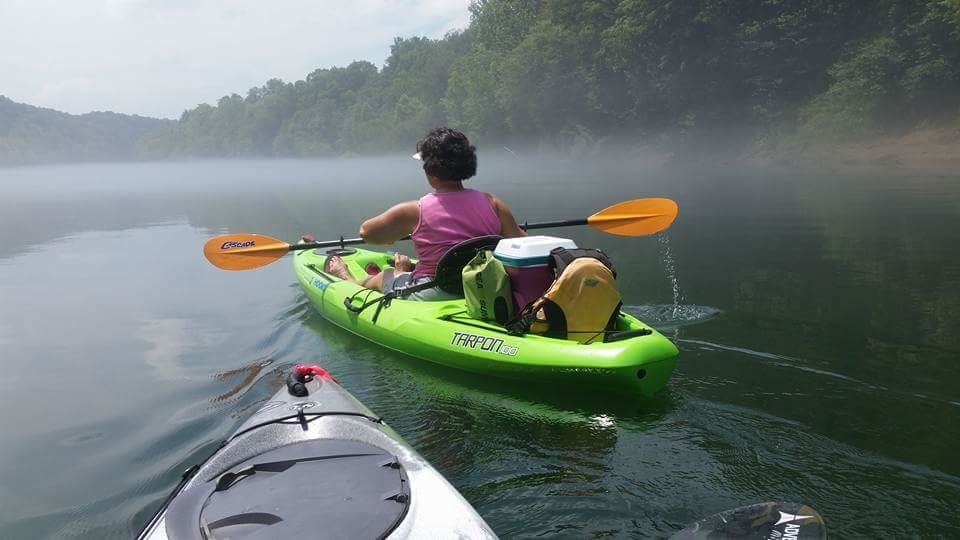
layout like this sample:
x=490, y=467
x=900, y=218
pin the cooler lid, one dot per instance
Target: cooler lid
x=529, y=250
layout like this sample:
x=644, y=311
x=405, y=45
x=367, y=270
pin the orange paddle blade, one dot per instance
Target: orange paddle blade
x=243, y=251
x=637, y=217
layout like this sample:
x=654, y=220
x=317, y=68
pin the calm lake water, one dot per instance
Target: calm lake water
x=818, y=320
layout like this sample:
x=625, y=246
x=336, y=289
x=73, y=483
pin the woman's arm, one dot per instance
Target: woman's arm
x=508, y=224
x=391, y=225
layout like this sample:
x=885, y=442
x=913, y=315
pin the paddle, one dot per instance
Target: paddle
x=636, y=217
x=781, y=520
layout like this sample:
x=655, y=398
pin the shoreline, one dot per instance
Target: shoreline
x=920, y=152
x=925, y=151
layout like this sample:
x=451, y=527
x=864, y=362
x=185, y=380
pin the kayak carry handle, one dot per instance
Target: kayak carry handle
x=296, y=387
x=617, y=336
x=347, y=303
x=301, y=375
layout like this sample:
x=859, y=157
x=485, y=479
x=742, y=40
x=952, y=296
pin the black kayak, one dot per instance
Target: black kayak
x=314, y=462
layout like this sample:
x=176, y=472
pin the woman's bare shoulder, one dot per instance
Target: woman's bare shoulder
x=508, y=223
x=495, y=201
x=393, y=224
x=407, y=207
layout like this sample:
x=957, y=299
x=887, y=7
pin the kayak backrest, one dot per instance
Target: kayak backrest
x=449, y=276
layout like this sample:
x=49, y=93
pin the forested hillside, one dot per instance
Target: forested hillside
x=33, y=135
x=573, y=74
x=567, y=73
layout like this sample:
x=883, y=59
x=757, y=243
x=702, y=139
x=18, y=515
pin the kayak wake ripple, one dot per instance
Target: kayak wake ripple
x=670, y=317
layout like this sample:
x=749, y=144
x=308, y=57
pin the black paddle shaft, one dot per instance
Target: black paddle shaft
x=551, y=224
x=343, y=242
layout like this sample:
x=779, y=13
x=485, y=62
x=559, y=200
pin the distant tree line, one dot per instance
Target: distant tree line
x=564, y=73
x=34, y=135
x=579, y=73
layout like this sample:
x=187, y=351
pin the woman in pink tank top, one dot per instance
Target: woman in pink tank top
x=439, y=220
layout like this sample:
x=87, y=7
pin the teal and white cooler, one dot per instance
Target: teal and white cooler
x=527, y=262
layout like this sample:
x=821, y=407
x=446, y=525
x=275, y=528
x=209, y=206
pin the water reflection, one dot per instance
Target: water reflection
x=244, y=376
x=816, y=318
x=507, y=445
x=169, y=340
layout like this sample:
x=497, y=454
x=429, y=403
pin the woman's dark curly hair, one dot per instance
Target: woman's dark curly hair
x=447, y=155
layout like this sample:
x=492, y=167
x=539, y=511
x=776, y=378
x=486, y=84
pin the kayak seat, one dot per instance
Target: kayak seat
x=449, y=276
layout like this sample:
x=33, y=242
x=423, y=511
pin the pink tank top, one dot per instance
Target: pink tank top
x=446, y=219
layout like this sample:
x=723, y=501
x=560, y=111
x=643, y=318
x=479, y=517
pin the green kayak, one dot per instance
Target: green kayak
x=441, y=332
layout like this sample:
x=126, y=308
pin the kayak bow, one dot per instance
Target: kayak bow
x=313, y=462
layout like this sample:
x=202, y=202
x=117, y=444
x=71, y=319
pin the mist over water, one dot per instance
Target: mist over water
x=816, y=318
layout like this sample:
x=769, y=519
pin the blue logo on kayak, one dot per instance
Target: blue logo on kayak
x=484, y=343
x=230, y=245
x=320, y=284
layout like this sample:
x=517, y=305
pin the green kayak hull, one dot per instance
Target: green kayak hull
x=441, y=332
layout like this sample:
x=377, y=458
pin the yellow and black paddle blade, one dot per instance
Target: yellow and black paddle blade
x=637, y=217
x=243, y=251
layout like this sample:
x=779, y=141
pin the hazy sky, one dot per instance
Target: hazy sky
x=159, y=57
